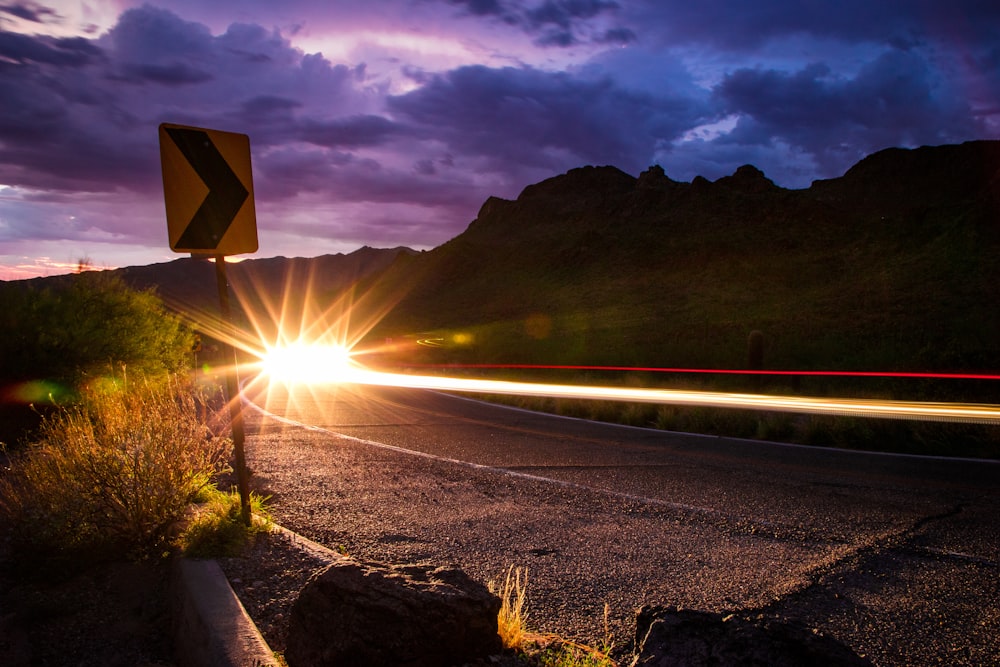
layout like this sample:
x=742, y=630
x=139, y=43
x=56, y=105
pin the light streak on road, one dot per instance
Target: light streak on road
x=721, y=371
x=890, y=409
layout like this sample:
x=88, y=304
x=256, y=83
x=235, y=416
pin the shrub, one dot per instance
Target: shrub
x=113, y=474
x=68, y=331
x=217, y=530
x=74, y=329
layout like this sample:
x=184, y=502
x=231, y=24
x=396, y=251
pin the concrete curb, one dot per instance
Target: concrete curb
x=211, y=627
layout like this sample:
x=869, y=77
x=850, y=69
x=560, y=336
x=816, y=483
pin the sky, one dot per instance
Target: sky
x=390, y=122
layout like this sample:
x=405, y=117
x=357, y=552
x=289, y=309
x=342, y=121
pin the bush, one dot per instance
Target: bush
x=74, y=329
x=113, y=474
x=69, y=331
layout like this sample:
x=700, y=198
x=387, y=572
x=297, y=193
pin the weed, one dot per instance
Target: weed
x=573, y=655
x=564, y=653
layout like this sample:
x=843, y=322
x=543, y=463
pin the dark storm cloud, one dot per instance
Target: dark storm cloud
x=57, y=130
x=524, y=116
x=149, y=34
x=29, y=11
x=897, y=99
x=349, y=178
x=747, y=25
x=70, y=51
x=559, y=23
x=269, y=106
x=365, y=130
x=616, y=36
x=82, y=114
x=171, y=74
x=563, y=13
x=61, y=124
x=482, y=7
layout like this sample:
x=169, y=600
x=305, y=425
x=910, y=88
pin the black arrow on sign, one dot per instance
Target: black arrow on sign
x=226, y=193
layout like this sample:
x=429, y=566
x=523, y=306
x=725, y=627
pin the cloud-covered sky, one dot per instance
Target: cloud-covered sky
x=389, y=122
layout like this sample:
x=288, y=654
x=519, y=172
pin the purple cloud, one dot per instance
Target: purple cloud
x=559, y=23
x=895, y=100
x=366, y=130
x=524, y=116
x=744, y=26
x=29, y=11
x=23, y=49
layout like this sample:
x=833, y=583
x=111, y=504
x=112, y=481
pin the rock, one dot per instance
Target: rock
x=748, y=179
x=668, y=637
x=653, y=178
x=371, y=614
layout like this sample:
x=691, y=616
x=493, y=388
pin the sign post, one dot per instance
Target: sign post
x=208, y=192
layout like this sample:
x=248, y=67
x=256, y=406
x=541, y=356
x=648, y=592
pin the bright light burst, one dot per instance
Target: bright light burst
x=308, y=363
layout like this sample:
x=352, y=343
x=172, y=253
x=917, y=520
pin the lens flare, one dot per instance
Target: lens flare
x=308, y=363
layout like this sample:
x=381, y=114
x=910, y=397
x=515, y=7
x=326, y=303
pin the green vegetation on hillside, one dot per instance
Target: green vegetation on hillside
x=680, y=276
x=873, y=271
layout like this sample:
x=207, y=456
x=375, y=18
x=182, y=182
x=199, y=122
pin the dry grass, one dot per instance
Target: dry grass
x=541, y=650
x=113, y=474
x=513, y=594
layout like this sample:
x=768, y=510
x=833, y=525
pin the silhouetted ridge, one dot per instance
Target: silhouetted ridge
x=895, y=264
x=897, y=179
x=587, y=182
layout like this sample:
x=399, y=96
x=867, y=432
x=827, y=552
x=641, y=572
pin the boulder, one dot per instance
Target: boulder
x=373, y=614
x=669, y=637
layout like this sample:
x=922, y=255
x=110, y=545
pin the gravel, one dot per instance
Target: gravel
x=268, y=576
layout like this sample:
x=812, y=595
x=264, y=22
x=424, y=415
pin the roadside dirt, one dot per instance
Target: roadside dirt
x=111, y=615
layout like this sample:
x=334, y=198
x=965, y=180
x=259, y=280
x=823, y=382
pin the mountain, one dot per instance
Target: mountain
x=893, y=266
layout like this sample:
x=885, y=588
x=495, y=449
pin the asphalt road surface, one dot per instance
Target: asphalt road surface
x=897, y=557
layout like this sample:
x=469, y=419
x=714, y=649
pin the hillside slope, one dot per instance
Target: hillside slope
x=265, y=292
x=892, y=266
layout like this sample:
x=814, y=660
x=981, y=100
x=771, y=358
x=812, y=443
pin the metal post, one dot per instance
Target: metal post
x=233, y=395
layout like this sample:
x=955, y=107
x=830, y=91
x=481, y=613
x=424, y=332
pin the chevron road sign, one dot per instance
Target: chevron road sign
x=208, y=190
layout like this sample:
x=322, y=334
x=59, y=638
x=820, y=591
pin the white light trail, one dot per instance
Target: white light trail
x=860, y=407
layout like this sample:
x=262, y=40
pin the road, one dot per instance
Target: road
x=897, y=557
